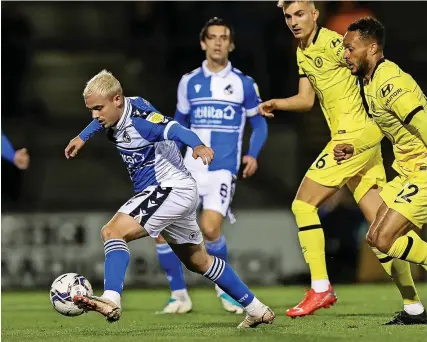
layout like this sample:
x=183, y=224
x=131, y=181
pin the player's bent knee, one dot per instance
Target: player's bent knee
x=383, y=241
x=107, y=233
x=211, y=232
x=302, y=209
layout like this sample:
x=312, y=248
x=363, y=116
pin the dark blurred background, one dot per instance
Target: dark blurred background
x=50, y=50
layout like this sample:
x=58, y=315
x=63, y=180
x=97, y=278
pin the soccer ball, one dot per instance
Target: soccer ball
x=64, y=288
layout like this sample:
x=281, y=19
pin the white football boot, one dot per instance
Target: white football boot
x=228, y=303
x=252, y=321
x=177, y=306
x=105, y=307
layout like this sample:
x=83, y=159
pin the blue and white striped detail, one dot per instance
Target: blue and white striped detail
x=216, y=269
x=115, y=245
x=163, y=248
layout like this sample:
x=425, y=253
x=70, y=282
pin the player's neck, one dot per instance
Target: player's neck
x=373, y=67
x=305, y=43
x=216, y=67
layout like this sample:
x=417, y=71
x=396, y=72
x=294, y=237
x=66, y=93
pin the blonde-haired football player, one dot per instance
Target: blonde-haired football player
x=323, y=72
x=399, y=107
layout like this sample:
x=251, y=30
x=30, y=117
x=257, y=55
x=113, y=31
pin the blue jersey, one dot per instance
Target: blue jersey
x=216, y=106
x=144, y=139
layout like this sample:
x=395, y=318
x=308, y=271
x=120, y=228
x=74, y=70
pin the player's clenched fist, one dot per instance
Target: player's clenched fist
x=203, y=152
x=73, y=147
x=266, y=108
x=343, y=152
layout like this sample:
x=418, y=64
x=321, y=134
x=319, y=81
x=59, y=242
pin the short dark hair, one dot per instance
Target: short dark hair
x=370, y=28
x=216, y=22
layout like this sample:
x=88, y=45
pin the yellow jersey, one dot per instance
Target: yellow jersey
x=394, y=98
x=337, y=89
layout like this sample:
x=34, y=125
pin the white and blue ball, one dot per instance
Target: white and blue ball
x=64, y=288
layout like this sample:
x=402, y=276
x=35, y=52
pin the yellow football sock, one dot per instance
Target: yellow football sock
x=311, y=238
x=400, y=272
x=410, y=247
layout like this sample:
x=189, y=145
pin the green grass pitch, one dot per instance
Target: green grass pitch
x=358, y=316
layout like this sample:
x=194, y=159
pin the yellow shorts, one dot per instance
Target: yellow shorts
x=408, y=196
x=360, y=172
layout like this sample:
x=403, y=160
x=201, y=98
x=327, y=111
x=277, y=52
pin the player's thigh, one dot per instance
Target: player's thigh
x=218, y=194
x=123, y=226
x=211, y=223
x=408, y=196
x=370, y=203
x=369, y=174
x=388, y=226
x=193, y=256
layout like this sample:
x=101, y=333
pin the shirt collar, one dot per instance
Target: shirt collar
x=381, y=60
x=221, y=73
x=126, y=111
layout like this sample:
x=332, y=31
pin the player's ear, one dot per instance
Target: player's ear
x=316, y=14
x=118, y=100
x=203, y=45
x=231, y=47
x=374, y=49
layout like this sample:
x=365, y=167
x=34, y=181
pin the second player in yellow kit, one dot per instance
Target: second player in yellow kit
x=323, y=72
x=398, y=105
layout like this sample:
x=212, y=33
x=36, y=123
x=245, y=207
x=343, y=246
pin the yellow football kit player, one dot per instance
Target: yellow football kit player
x=399, y=107
x=339, y=96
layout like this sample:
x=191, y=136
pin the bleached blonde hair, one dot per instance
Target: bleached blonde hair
x=284, y=3
x=103, y=84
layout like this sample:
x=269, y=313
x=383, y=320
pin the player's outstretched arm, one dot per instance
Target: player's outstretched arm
x=7, y=150
x=158, y=128
x=76, y=144
x=301, y=102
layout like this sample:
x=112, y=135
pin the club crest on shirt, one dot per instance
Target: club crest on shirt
x=318, y=61
x=126, y=137
x=229, y=90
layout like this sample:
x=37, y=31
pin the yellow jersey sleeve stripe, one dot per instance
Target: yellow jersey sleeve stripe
x=412, y=114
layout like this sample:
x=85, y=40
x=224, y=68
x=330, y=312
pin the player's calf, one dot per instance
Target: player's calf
x=196, y=259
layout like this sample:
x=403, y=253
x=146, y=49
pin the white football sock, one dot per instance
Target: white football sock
x=113, y=296
x=255, y=308
x=181, y=295
x=414, y=309
x=321, y=285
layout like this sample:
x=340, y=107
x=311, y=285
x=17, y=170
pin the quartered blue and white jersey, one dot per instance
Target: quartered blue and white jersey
x=216, y=106
x=143, y=138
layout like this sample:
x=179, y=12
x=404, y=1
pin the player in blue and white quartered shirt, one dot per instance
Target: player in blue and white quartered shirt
x=215, y=101
x=165, y=199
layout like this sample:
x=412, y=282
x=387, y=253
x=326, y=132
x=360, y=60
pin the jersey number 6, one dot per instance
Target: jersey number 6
x=321, y=162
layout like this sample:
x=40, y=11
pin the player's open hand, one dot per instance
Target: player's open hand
x=251, y=166
x=266, y=108
x=73, y=147
x=343, y=152
x=22, y=159
x=203, y=152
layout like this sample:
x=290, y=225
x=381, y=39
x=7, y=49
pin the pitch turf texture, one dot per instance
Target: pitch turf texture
x=358, y=316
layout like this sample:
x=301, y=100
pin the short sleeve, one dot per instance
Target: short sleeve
x=183, y=105
x=396, y=96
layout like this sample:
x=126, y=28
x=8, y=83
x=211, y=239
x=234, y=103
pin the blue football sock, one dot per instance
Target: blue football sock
x=117, y=258
x=217, y=248
x=172, y=267
x=224, y=276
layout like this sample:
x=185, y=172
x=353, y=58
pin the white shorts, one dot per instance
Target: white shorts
x=216, y=189
x=169, y=212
